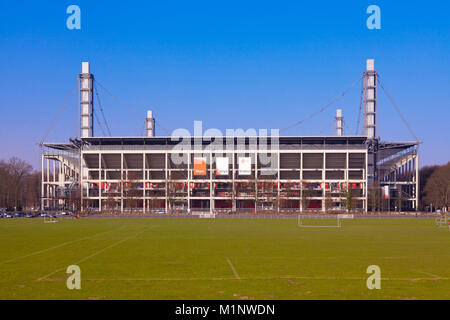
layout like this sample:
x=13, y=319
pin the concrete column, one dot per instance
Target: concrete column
x=144, y=204
x=211, y=189
x=323, y=181
x=417, y=180
x=301, y=182
x=366, y=183
x=121, y=184
x=278, y=182
x=42, y=182
x=99, y=182
x=189, y=180
x=167, y=180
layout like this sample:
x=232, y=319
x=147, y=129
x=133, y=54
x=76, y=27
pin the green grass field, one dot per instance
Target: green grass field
x=181, y=258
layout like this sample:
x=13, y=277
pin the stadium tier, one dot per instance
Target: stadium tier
x=167, y=174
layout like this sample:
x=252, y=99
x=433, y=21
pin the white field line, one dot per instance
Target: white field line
x=254, y=278
x=429, y=274
x=233, y=269
x=56, y=247
x=90, y=256
x=341, y=257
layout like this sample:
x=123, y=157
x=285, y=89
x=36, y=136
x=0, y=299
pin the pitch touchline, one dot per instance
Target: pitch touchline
x=55, y=247
x=90, y=256
x=233, y=269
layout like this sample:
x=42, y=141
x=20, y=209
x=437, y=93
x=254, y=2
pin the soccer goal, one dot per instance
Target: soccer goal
x=316, y=221
x=205, y=215
x=50, y=219
x=442, y=222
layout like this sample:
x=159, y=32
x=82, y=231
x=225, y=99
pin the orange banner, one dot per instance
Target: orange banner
x=199, y=166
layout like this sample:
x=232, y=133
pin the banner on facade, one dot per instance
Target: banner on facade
x=245, y=166
x=222, y=166
x=386, y=192
x=199, y=166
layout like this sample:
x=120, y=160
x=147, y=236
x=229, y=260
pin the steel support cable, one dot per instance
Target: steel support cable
x=360, y=109
x=121, y=103
x=58, y=114
x=74, y=119
x=391, y=100
x=143, y=130
x=101, y=110
x=129, y=109
x=165, y=129
x=323, y=108
x=98, y=122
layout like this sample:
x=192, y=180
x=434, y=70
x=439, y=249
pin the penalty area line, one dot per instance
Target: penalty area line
x=56, y=247
x=429, y=274
x=90, y=256
x=233, y=269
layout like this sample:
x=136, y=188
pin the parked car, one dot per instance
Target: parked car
x=9, y=215
x=29, y=215
x=43, y=214
x=18, y=214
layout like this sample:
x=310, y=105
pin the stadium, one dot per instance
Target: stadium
x=244, y=171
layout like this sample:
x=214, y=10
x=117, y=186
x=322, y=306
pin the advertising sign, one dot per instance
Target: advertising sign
x=199, y=166
x=386, y=192
x=245, y=166
x=222, y=166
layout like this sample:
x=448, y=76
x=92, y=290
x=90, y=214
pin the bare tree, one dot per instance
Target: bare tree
x=32, y=190
x=74, y=200
x=437, y=189
x=305, y=199
x=110, y=202
x=328, y=202
x=374, y=197
x=349, y=203
x=4, y=184
x=14, y=174
x=171, y=191
x=131, y=191
x=424, y=174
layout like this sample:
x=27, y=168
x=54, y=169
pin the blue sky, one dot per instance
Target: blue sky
x=233, y=64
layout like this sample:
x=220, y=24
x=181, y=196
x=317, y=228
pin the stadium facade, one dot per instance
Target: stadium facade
x=232, y=172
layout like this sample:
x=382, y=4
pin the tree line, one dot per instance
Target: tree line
x=435, y=187
x=20, y=185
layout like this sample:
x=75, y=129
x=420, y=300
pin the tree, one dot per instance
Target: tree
x=374, y=201
x=4, y=183
x=110, y=202
x=131, y=191
x=171, y=191
x=253, y=189
x=437, y=189
x=424, y=175
x=328, y=201
x=348, y=198
x=32, y=190
x=306, y=194
x=13, y=179
x=74, y=200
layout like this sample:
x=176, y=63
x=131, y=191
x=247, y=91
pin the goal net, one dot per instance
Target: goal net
x=315, y=221
x=442, y=222
x=50, y=219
